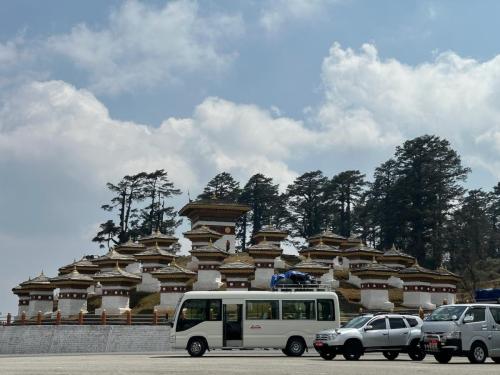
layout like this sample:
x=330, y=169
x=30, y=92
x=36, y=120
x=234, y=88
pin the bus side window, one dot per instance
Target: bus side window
x=326, y=311
x=214, y=309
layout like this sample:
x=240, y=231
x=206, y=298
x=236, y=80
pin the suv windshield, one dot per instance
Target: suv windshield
x=445, y=313
x=357, y=322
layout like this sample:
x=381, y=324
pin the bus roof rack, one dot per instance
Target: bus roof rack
x=302, y=288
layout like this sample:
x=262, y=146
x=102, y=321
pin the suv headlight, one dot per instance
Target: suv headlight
x=452, y=335
x=332, y=336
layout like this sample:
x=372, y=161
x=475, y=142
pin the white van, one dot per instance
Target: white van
x=249, y=320
x=471, y=330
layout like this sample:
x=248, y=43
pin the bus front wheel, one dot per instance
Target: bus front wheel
x=295, y=347
x=197, y=347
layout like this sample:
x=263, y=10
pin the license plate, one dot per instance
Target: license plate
x=432, y=346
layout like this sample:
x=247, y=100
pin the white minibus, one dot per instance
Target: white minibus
x=252, y=319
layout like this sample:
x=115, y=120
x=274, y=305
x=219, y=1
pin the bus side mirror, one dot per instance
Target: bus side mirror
x=171, y=324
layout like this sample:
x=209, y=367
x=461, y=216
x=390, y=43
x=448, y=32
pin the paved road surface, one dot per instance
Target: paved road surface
x=232, y=363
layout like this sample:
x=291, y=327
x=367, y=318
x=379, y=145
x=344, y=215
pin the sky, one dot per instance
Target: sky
x=91, y=91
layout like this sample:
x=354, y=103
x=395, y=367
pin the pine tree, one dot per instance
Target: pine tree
x=223, y=186
x=307, y=210
x=261, y=195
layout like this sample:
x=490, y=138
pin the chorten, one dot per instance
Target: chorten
x=219, y=216
x=236, y=274
x=41, y=293
x=152, y=259
x=24, y=298
x=417, y=286
x=72, y=292
x=131, y=248
x=173, y=284
x=358, y=257
x=209, y=257
x=264, y=254
x=116, y=287
x=444, y=287
x=375, y=285
x=397, y=260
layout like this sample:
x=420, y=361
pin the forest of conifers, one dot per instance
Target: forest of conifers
x=416, y=200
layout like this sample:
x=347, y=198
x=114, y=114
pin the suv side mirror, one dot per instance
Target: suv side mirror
x=454, y=317
x=368, y=328
x=468, y=319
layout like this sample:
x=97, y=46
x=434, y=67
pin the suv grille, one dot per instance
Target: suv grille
x=322, y=337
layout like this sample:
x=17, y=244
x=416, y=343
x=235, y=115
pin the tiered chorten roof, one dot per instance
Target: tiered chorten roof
x=83, y=266
x=202, y=233
x=157, y=237
x=157, y=254
x=321, y=250
x=310, y=266
x=41, y=282
x=270, y=233
x=394, y=255
x=264, y=249
x=209, y=251
x=361, y=250
x=173, y=272
x=237, y=267
x=213, y=208
x=374, y=270
x=326, y=237
x=351, y=242
x=417, y=273
x=445, y=276
x=117, y=276
x=73, y=278
x=112, y=257
x=130, y=247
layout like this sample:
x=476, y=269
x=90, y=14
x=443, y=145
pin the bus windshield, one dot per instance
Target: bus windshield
x=446, y=313
x=357, y=322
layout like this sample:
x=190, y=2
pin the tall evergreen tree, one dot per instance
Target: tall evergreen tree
x=223, y=186
x=429, y=176
x=308, y=212
x=344, y=191
x=261, y=195
x=468, y=236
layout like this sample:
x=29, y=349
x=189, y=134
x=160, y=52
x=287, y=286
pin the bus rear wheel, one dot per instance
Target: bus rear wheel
x=295, y=347
x=197, y=347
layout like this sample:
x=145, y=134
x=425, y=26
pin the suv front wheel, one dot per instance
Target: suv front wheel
x=390, y=355
x=352, y=350
x=443, y=357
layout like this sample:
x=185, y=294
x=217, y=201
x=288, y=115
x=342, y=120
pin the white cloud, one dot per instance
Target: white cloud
x=144, y=46
x=374, y=102
x=277, y=12
x=57, y=126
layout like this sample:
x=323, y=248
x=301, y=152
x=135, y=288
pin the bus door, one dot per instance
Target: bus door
x=232, y=324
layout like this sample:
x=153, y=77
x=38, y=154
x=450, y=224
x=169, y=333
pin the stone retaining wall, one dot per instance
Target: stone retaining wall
x=83, y=339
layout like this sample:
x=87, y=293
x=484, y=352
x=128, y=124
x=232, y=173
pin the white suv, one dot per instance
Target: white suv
x=390, y=334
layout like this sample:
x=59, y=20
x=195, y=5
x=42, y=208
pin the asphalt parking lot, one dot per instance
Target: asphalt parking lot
x=232, y=363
